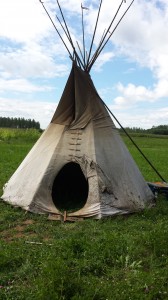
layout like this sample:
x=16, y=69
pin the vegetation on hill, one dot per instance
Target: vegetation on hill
x=160, y=130
x=18, y=123
x=22, y=135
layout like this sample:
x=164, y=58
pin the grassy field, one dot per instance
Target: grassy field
x=111, y=259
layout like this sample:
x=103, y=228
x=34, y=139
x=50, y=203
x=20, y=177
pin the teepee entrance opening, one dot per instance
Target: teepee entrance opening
x=70, y=188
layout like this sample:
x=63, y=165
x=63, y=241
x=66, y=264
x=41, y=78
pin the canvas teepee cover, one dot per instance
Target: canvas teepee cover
x=81, y=134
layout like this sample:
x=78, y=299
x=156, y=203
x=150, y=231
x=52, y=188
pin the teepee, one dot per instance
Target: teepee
x=80, y=161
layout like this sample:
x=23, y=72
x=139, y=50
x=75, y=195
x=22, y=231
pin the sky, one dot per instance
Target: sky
x=131, y=74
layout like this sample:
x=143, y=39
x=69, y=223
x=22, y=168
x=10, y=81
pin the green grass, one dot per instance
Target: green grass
x=14, y=145
x=156, y=151
x=115, y=258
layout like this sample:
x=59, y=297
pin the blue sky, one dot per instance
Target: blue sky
x=131, y=74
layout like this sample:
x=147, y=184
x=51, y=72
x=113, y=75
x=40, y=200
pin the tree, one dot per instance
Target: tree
x=18, y=123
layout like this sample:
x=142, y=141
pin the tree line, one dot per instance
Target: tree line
x=160, y=129
x=18, y=123
x=28, y=123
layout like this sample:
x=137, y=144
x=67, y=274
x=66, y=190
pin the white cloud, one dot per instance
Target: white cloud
x=30, y=62
x=144, y=118
x=105, y=57
x=29, y=44
x=21, y=85
x=144, y=38
x=22, y=20
x=40, y=111
x=132, y=94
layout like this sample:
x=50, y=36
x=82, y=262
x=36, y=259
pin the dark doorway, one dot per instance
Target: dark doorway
x=70, y=188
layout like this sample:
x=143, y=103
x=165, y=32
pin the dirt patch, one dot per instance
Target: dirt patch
x=18, y=231
x=28, y=222
x=13, y=237
x=22, y=227
x=21, y=235
x=47, y=239
x=19, y=228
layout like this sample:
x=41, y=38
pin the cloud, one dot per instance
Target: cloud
x=142, y=38
x=22, y=20
x=31, y=62
x=38, y=110
x=140, y=118
x=102, y=59
x=132, y=94
x=21, y=85
x=29, y=45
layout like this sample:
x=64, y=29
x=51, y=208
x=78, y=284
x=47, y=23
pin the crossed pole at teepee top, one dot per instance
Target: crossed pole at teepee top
x=85, y=59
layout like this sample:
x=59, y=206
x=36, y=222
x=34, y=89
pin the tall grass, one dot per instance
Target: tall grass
x=14, y=145
x=7, y=134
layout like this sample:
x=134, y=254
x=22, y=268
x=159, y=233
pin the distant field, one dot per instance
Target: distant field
x=116, y=259
x=14, y=145
x=156, y=150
